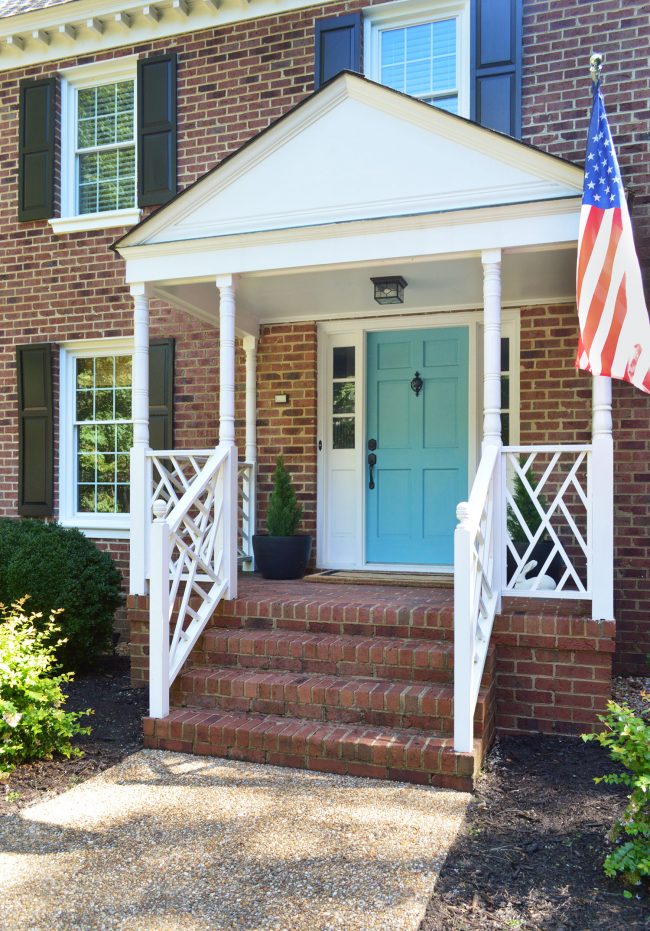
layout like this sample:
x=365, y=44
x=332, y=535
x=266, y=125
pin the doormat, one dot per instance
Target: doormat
x=369, y=577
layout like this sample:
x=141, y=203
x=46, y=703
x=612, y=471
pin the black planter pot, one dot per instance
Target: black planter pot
x=540, y=553
x=281, y=557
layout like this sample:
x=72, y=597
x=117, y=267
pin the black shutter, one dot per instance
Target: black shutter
x=337, y=46
x=35, y=430
x=36, y=149
x=161, y=394
x=496, y=65
x=156, y=129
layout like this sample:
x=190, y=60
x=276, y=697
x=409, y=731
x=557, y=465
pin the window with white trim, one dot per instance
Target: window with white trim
x=96, y=434
x=421, y=49
x=98, y=146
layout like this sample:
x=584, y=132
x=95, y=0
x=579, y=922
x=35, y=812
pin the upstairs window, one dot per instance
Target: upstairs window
x=421, y=49
x=105, y=156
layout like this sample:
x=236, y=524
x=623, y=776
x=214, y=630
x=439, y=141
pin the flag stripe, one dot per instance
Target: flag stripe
x=602, y=287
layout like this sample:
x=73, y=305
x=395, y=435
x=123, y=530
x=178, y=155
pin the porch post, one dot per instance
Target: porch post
x=227, y=285
x=140, y=492
x=250, y=477
x=491, y=259
x=601, y=496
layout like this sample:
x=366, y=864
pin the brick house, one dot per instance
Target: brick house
x=196, y=198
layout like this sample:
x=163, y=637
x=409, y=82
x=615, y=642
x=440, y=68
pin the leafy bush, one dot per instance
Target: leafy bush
x=627, y=738
x=284, y=511
x=33, y=724
x=61, y=569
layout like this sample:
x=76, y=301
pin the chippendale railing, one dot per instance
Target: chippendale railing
x=246, y=514
x=476, y=590
x=193, y=557
x=537, y=525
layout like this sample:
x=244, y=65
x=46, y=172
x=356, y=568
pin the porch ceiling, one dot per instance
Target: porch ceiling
x=544, y=276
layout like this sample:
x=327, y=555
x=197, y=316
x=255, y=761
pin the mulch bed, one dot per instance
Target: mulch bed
x=529, y=856
x=116, y=732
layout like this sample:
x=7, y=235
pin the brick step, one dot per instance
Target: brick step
x=343, y=699
x=359, y=610
x=328, y=654
x=346, y=749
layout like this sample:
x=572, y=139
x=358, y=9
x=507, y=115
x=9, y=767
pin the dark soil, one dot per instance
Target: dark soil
x=530, y=854
x=116, y=731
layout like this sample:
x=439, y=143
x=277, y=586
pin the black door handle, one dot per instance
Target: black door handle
x=372, y=462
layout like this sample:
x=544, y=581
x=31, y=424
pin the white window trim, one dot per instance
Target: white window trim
x=73, y=79
x=106, y=526
x=411, y=13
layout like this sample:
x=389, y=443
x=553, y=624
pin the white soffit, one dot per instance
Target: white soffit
x=358, y=151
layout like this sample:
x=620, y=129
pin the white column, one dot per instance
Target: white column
x=464, y=626
x=491, y=259
x=159, y=615
x=250, y=350
x=140, y=519
x=249, y=489
x=227, y=285
x=601, y=495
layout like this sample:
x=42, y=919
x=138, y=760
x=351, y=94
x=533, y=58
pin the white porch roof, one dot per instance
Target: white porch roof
x=364, y=180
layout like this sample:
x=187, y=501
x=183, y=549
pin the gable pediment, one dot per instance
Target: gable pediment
x=358, y=151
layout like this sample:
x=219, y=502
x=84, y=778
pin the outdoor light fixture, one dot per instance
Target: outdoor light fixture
x=389, y=290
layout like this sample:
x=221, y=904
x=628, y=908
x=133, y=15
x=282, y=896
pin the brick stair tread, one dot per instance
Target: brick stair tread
x=266, y=682
x=357, y=750
x=349, y=653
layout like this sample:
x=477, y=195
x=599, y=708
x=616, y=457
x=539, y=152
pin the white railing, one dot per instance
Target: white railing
x=246, y=514
x=476, y=590
x=547, y=521
x=193, y=558
x=538, y=524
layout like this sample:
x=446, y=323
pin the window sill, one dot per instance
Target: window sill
x=99, y=529
x=95, y=221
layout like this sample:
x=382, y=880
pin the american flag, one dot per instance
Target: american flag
x=614, y=326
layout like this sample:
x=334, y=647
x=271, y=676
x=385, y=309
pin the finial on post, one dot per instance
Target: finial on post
x=595, y=66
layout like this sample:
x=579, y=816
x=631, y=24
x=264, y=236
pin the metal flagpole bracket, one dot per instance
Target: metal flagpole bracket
x=595, y=66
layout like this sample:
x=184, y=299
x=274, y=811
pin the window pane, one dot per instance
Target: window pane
x=85, y=369
x=106, y=438
x=505, y=393
x=393, y=76
x=505, y=354
x=124, y=437
x=392, y=46
x=123, y=467
x=105, y=499
x=88, y=168
x=344, y=398
x=450, y=104
x=421, y=60
x=123, y=404
x=104, y=372
x=122, y=499
x=343, y=430
x=343, y=362
x=85, y=405
x=86, y=103
x=105, y=99
x=87, y=438
x=505, y=429
x=104, y=405
x=86, y=498
x=86, y=470
x=123, y=371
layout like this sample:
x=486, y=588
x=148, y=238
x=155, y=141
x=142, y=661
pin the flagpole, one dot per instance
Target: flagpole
x=601, y=470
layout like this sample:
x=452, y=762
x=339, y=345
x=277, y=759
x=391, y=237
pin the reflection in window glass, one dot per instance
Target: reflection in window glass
x=343, y=397
x=420, y=61
x=105, y=147
x=103, y=433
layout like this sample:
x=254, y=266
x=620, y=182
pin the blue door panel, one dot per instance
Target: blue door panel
x=421, y=470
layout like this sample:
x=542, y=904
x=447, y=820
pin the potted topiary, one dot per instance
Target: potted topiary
x=282, y=553
x=531, y=516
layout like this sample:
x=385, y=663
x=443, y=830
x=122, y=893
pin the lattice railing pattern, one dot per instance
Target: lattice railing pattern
x=547, y=519
x=173, y=471
x=245, y=512
x=190, y=565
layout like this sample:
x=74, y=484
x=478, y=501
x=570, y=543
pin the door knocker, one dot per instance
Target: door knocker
x=416, y=384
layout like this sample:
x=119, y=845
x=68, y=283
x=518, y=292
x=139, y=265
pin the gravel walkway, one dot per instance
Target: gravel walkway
x=165, y=841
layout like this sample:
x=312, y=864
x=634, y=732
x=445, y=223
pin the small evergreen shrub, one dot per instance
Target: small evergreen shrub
x=627, y=738
x=526, y=507
x=61, y=570
x=33, y=724
x=284, y=511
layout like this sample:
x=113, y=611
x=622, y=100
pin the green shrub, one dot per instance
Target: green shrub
x=284, y=511
x=61, y=569
x=627, y=738
x=33, y=724
x=526, y=507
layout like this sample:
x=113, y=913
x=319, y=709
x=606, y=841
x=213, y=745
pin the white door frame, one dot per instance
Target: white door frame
x=352, y=332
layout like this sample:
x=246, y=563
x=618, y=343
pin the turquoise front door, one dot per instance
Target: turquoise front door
x=419, y=441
